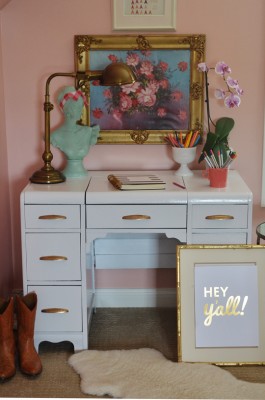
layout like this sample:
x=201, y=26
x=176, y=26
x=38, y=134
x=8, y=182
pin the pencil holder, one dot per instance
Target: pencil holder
x=184, y=156
x=218, y=177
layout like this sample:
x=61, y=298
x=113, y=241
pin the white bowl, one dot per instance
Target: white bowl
x=184, y=156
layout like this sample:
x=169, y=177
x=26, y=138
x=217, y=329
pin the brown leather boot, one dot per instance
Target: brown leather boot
x=29, y=359
x=7, y=339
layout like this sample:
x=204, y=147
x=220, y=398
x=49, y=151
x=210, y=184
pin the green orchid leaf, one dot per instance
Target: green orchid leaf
x=209, y=144
x=218, y=141
x=223, y=128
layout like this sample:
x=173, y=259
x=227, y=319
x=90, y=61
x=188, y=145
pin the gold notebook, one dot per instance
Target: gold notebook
x=136, y=182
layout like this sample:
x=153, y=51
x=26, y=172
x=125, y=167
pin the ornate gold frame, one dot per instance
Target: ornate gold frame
x=195, y=44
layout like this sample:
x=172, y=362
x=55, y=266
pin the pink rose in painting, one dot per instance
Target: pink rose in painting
x=97, y=113
x=164, y=83
x=132, y=59
x=146, y=53
x=135, y=102
x=177, y=95
x=163, y=65
x=107, y=94
x=113, y=58
x=125, y=102
x=96, y=82
x=153, y=85
x=161, y=112
x=147, y=68
x=182, y=66
x=147, y=97
x=130, y=88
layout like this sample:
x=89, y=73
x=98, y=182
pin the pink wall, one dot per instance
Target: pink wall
x=6, y=272
x=37, y=40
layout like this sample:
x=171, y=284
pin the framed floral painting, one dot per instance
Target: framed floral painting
x=168, y=93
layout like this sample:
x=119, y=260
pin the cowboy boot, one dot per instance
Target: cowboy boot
x=29, y=359
x=7, y=339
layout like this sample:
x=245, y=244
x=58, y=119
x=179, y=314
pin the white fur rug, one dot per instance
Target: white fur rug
x=146, y=373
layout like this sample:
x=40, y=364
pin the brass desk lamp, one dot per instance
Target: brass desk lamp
x=114, y=74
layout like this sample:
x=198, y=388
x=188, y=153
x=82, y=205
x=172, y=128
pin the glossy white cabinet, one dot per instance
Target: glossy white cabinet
x=60, y=222
x=54, y=261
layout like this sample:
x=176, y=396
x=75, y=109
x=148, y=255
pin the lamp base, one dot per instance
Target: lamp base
x=47, y=175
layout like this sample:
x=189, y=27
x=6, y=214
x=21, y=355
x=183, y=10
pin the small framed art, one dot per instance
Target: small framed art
x=158, y=15
x=221, y=304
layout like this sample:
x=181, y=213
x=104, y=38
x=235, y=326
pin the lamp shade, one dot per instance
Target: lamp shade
x=117, y=74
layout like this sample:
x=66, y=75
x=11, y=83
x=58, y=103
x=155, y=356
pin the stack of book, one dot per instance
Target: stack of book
x=139, y=182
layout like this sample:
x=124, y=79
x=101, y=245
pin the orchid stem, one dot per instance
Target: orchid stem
x=209, y=119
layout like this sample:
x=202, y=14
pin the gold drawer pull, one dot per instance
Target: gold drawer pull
x=52, y=216
x=136, y=217
x=219, y=217
x=55, y=310
x=53, y=258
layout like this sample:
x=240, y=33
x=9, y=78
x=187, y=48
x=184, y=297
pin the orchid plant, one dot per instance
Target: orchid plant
x=218, y=141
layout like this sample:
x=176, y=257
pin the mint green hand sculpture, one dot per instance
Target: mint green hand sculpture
x=72, y=139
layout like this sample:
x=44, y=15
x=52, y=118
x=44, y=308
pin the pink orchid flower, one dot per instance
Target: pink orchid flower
x=232, y=101
x=222, y=68
x=202, y=67
x=219, y=94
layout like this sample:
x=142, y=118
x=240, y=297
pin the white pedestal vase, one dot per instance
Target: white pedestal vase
x=184, y=156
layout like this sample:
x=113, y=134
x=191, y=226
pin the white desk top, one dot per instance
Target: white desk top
x=96, y=189
x=72, y=191
x=100, y=191
x=200, y=191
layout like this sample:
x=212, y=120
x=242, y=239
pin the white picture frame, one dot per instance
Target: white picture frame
x=163, y=17
x=237, y=298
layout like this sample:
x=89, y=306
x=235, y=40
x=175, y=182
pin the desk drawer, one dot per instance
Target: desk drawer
x=53, y=256
x=136, y=216
x=219, y=238
x=59, y=308
x=52, y=216
x=219, y=216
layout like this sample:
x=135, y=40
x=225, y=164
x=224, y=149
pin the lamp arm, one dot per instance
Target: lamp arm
x=70, y=74
x=48, y=107
x=85, y=76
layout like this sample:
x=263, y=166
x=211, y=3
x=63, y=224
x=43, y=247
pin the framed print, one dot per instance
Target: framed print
x=138, y=15
x=168, y=93
x=221, y=304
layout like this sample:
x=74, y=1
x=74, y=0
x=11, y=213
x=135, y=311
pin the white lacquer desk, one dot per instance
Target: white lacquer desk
x=61, y=222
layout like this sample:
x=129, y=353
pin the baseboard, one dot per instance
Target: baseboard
x=135, y=298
